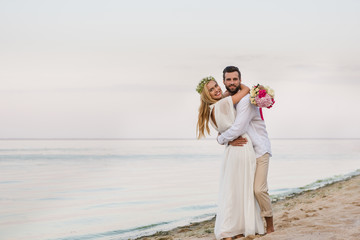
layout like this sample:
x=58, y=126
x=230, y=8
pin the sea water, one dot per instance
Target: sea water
x=121, y=189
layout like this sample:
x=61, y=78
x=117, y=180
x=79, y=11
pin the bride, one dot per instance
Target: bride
x=238, y=212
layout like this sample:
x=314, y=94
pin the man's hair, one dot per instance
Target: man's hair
x=230, y=69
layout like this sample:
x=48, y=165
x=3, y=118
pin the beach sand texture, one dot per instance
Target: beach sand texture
x=330, y=212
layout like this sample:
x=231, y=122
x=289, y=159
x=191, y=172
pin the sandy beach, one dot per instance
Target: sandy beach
x=330, y=212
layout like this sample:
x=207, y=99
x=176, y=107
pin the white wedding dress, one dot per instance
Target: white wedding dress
x=238, y=211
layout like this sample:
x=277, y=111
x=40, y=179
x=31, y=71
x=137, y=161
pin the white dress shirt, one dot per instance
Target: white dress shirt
x=248, y=120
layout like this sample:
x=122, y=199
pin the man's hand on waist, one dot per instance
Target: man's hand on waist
x=240, y=141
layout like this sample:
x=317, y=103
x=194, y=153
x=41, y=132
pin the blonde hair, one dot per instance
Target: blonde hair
x=204, y=112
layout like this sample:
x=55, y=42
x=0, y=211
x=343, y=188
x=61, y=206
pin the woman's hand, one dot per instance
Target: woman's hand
x=239, y=142
x=226, y=93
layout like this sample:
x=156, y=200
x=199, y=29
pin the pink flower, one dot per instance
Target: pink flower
x=265, y=101
x=262, y=93
x=273, y=101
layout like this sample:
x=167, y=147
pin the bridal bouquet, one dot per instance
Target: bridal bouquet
x=262, y=96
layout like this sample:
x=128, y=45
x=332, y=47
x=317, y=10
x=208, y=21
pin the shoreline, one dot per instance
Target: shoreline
x=329, y=212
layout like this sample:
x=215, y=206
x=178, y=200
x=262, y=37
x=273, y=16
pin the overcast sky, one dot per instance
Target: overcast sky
x=129, y=69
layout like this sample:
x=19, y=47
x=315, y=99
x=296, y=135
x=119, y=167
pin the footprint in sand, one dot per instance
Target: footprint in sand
x=285, y=216
x=184, y=230
x=311, y=215
x=282, y=225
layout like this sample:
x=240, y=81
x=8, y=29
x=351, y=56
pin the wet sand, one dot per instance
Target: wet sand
x=330, y=212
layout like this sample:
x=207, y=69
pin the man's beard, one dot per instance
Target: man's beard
x=234, y=91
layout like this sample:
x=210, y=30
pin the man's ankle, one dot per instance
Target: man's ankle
x=269, y=224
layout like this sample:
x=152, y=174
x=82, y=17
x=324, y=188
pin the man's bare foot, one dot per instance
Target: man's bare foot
x=238, y=236
x=269, y=225
x=270, y=230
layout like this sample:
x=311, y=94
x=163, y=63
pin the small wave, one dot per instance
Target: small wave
x=9, y=182
x=116, y=204
x=12, y=150
x=72, y=157
x=146, y=230
x=312, y=186
x=195, y=207
x=118, y=233
x=170, y=225
x=54, y=199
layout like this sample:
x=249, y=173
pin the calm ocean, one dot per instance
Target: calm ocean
x=121, y=189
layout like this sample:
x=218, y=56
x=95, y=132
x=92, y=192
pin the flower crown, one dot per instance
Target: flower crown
x=203, y=82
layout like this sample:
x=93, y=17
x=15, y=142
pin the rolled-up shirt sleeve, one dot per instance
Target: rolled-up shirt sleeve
x=241, y=124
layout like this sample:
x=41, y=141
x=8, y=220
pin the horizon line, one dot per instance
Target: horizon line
x=284, y=138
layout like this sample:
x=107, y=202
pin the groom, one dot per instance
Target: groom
x=248, y=121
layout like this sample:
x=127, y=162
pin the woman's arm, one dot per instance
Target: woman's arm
x=226, y=94
x=240, y=94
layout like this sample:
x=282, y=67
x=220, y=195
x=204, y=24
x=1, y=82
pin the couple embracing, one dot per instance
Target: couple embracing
x=243, y=194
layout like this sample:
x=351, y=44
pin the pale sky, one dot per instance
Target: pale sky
x=129, y=69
